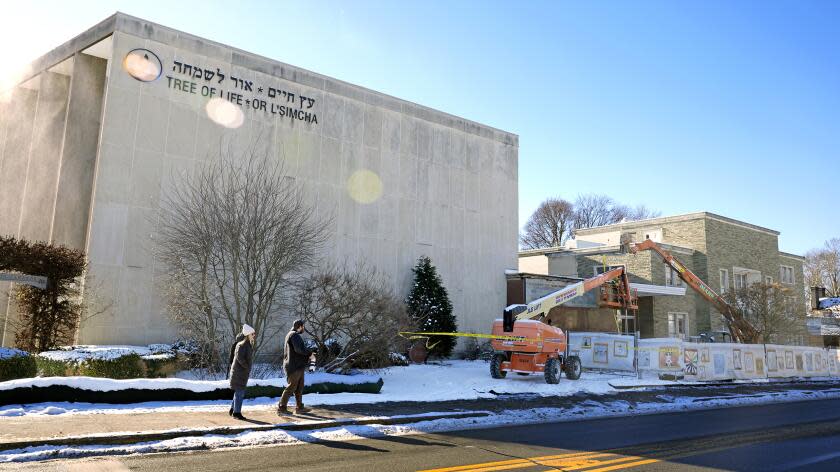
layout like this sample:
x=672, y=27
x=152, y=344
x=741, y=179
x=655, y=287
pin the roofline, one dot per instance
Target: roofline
x=531, y=275
x=541, y=251
x=792, y=256
x=66, y=50
x=613, y=248
x=671, y=219
x=152, y=31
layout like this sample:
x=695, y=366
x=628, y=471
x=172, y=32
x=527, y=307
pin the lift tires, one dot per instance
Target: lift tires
x=573, y=368
x=552, y=371
x=496, y=366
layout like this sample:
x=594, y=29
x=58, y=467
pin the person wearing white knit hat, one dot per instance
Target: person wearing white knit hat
x=240, y=370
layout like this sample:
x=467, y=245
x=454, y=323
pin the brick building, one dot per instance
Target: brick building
x=724, y=252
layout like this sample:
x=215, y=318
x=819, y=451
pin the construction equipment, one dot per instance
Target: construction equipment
x=526, y=343
x=740, y=328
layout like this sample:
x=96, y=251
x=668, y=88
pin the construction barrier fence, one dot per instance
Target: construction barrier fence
x=702, y=361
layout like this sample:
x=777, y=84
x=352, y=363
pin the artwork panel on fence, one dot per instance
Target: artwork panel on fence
x=669, y=357
x=644, y=359
x=704, y=355
x=600, y=353
x=620, y=349
x=720, y=363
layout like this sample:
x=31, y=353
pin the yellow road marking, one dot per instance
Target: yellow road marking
x=624, y=466
x=575, y=463
x=518, y=462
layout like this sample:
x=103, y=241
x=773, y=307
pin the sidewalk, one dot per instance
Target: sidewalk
x=36, y=428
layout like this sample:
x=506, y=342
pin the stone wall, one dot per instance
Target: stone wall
x=638, y=266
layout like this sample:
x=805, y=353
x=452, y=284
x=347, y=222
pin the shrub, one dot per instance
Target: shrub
x=477, y=349
x=398, y=359
x=54, y=368
x=161, y=365
x=352, y=316
x=129, y=366
x=47, y=317
x=16, y=364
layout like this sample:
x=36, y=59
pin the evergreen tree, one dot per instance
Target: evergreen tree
x=429, y=306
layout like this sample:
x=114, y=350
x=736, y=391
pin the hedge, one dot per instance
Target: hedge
x=20, y=365
x=65, y=393
x=129, y=366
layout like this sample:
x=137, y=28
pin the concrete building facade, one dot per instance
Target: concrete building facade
x=725, y=253
x=101, y=127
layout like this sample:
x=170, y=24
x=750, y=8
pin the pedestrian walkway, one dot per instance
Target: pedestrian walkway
x=30, y=428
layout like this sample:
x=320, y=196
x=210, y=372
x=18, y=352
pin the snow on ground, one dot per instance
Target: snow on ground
x=585, y=410
x=8, y=353
x=81, y=353
x=108, y=385
x=829, y=302
x=455, y=380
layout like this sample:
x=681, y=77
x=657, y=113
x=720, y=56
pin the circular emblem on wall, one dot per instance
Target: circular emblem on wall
x=143, y=65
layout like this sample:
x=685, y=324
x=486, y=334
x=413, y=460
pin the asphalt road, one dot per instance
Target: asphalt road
x=789, y=436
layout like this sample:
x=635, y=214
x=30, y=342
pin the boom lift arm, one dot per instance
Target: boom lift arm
x=542, y=306
x=740, y=328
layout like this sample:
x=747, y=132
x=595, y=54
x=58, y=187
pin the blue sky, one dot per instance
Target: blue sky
x=728, y=107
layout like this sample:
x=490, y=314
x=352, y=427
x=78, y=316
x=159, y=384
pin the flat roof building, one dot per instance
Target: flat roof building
x=727, y=254
x=94, y=133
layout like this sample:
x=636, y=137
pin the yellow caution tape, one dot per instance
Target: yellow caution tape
x=501, y=337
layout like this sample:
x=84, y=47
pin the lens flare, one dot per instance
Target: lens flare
x=142, y=65
x=225, y=113
x=364, y=186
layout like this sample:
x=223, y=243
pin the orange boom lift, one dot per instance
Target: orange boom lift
x=526, y=344
x=741, y=329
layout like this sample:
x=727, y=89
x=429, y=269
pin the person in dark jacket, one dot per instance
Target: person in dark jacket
x=239, y=338
x=296, y=358
x=240, y=370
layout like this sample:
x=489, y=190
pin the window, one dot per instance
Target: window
x=786, y=275
x=599, y=269
x=678, y=325
x=724, y=280
x=740, y=280
x=672, y=277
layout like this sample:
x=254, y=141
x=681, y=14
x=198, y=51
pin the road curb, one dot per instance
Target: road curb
x=725, y=384
x=134, y=438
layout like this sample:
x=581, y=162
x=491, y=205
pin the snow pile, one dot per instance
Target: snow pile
x=98, y=384
x=79, y=354
x=8, y=353
x=455, y=380
x=829, y=302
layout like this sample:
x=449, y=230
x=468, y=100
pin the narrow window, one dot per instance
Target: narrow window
x=724, y=280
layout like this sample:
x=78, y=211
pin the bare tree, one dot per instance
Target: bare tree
x=639, y=212
x=593, y=210
x=769, y=308
x=352, y=316
x=822, y=267
x=230, y=239
x=549, y=225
